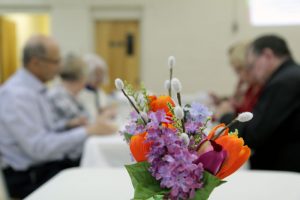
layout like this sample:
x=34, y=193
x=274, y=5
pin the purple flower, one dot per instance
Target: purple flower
x=133, y=128
x=134, y=116
x=177, y=167
x=173, y=164
x=156, y=118
x=130, y=128
x=192, y=126
x=199, y=112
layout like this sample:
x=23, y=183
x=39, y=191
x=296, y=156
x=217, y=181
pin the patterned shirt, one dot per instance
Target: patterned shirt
x=65, y=106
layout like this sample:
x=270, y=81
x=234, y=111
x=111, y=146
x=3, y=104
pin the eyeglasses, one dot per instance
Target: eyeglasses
x=50, y=60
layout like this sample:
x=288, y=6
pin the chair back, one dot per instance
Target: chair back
x=3, y=189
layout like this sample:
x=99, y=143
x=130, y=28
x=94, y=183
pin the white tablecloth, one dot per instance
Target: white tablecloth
x=106, y=151
x=114, y=184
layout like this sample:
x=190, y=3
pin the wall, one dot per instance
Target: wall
x=197, y=32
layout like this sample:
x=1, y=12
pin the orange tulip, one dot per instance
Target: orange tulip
x=213, y=131
x=151, y=98
x=139, y=147
x=237, y=152
x=169, y=126
x=161, y=103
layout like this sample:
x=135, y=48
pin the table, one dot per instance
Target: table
x=114, y=184
x=86, y=184
x=106, y=151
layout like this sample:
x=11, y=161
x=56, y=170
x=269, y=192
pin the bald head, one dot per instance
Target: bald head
x=37, y=46
x=41, y=56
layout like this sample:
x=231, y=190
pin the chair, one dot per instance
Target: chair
x=3, y=190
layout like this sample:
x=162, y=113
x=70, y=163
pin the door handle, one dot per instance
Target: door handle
x=129, y=44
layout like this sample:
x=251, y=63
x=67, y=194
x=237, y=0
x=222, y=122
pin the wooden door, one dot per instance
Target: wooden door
x=118, y=42
x=8, y=52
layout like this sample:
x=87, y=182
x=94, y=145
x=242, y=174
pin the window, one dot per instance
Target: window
x=274, y=12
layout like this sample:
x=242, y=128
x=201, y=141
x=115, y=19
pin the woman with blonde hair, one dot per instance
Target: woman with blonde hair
x=247, y=90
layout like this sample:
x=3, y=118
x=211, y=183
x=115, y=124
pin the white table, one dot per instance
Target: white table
x=114, y=184
x=105, y=151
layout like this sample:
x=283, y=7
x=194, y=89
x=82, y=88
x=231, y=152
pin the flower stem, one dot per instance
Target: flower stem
x=182, y=124
x=179, y=102
x=170, y=88
x=132, y=104
x=179, y=98
x=227, y=126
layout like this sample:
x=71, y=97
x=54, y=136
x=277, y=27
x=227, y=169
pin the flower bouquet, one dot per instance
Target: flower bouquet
x=175, y=157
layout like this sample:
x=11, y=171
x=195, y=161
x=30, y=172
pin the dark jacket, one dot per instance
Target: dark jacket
x=274, y=132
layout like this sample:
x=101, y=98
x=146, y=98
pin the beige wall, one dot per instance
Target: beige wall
x=197, y=32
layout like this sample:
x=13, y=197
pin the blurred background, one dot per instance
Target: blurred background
x=136, y=37
x=133, y=40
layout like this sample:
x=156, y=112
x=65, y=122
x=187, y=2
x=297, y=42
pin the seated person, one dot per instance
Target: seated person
x=32, y=150
x=273, y=133
x=68, y=111
x=93, y=98
x=247, y=90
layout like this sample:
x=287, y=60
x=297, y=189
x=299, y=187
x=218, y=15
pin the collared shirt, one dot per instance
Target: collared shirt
x=27, y=128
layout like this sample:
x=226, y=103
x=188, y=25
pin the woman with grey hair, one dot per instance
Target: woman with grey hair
x=92, y=97
x=97, y=70
x=69, y=112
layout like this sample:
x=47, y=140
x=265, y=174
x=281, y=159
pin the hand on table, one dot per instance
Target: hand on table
x=75, y=122
x=104, y=123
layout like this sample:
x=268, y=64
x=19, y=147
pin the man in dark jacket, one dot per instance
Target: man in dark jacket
x=274, y=132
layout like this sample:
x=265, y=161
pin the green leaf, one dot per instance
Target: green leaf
x=236, y=131
x=171, y=108
x=144, y=183
x=127, y=136
x=157, y=197
x=147, y=188
x=139, y=174
x=210, y=182
x=140, y=121
x=145, y=94
x=144, y=192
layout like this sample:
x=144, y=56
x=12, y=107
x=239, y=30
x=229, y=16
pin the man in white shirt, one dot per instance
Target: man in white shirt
x=31, y=150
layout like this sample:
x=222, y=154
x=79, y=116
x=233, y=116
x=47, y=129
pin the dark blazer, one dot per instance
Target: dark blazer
x=274, y=132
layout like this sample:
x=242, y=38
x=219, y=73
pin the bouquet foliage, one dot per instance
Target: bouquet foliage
x=175, y=157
